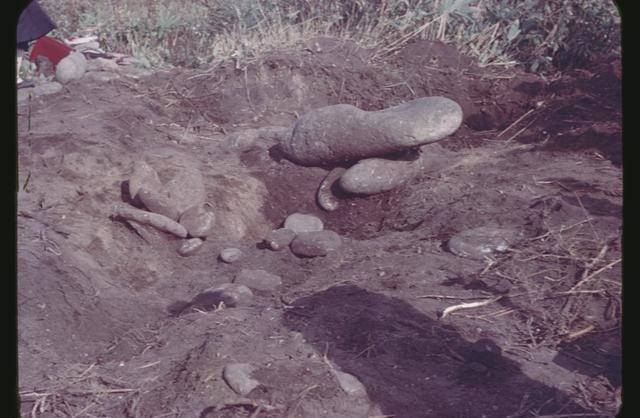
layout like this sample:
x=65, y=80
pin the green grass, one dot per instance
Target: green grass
x=542, y=35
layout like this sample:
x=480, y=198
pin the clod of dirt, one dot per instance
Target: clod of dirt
x=343, y=132
x=258, y=279
x=70, y=68
x=480, y=242
x=349, y=383
x=238, y=377
x=230, y=255
x=299, y=222
x=198, y=221
x=43, y=89
x=278, y=239
x=326, y=199
x=315, y=244
x=261, y=137
x=377, y=175
x=190, y=247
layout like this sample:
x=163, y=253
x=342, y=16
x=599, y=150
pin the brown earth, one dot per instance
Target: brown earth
x=96, y=335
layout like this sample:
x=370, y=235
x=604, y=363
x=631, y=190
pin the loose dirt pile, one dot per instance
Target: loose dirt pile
x=98, y=330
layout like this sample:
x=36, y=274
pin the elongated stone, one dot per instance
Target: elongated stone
x=376, y=175
x=343, y=132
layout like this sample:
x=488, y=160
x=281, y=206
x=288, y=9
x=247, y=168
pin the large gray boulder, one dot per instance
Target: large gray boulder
x=343, y=132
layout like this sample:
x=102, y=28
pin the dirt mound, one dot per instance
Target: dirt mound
x=96, y=333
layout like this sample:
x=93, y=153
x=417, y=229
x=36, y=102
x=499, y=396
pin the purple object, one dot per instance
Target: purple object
x=33, y=23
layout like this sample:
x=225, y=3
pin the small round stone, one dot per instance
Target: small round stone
x=315, y=244
x=230, y=255
x=279, y=239
x=238, y=377
x=299, y=222
x=190, y=247
x=478, y=243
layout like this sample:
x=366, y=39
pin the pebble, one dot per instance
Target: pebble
x=198, y=221
x=299, y=222
x=326, y=199
x=190, y=247
x=480, y=242
x=377, y=175
x=280, y=238
x=230, y=255
x=238, y=377
x=71, y=68
x=258, y=279
x=349, y=383
x=315, y=244
x=343, y=132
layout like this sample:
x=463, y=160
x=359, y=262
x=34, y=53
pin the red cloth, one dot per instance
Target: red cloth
x=50, y=48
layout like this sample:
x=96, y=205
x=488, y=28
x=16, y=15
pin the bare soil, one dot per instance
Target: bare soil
x=96, y=334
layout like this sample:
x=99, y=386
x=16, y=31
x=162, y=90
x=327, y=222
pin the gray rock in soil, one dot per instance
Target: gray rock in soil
x=481, y=242
x=71, y=68
x=324, y=196
x=238, y=377
x=186, y=189
x=143, y=176
x=232, y=294
x=230, y=255
x=349, y=383
x=258, y=279
x=315, y=244
x=198, y=221
x=280, y=238
x=343, y=132
x=377, y=175
x=190, y=247
x=299, y=222
x=159, y=202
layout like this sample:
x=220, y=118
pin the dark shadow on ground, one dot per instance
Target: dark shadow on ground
x=414, y=366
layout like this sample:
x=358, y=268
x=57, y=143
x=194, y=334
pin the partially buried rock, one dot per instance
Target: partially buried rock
x=238, y=377
x=262, y=137
x=481, y=242
x=349, y=383
x=231, y=294
x=377, y=175
x=326, y=199
x=198, y=221
x=299, y=222
x=230, y=255
x=186, y=189
x=258, y=279
x=280, y=238
x=190, y=247
x=315, y=244
x=344, y=132
x=143, y=176
x=70, y=68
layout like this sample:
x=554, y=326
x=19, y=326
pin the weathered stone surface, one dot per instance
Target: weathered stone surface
x=349, y=383
x=344, y=132
x=315, y=244
x=258, y=279
x=232, y=294
x=326, y=199
x=186, y=189
x=376, y=175
x=279, y=239
x=190, y=247
x=159, y=202
x=481, y=242
x=70, y=68
x=299, y=222
x=238, y=377
x=143, y=176
x=230, y=255
x=198, y=221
